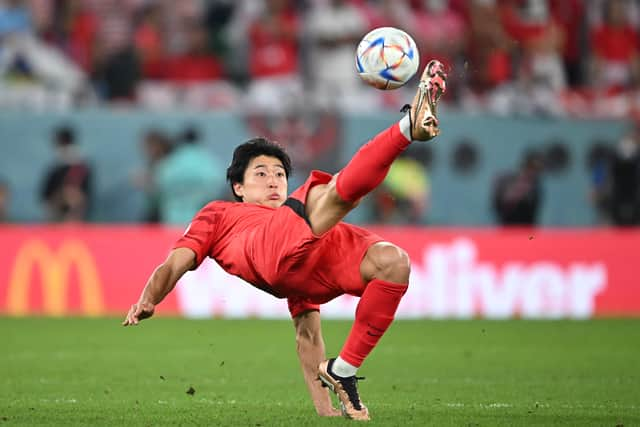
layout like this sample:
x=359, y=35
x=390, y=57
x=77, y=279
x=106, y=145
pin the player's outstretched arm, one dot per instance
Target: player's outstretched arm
x=310, y=346
x=161, y=282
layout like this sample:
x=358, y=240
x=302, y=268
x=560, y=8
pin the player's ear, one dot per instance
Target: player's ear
x=238, y=188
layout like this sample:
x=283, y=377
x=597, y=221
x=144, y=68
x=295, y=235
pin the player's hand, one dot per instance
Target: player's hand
x=137, y=312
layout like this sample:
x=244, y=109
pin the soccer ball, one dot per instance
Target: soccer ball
x=387, y=58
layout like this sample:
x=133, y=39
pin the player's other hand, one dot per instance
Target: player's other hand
x=137, y=312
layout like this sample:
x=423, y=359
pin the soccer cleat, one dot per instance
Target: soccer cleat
x=347, y=391
x=422, y=111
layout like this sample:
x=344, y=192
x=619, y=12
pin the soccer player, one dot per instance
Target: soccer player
x=297, y=248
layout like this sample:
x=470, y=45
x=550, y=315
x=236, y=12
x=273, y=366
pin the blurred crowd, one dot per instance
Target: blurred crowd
x=551, y=57
x=280, y=62
x=177, y=178
x=179, y=175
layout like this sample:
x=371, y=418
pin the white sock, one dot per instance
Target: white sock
x=342, y=368
x=405, y=127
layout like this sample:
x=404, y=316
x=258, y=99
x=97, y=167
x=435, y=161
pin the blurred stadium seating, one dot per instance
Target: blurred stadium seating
x=557, y=76
x=554, y=57
x=133, y=80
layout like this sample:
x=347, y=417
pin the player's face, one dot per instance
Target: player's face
x=265, y=182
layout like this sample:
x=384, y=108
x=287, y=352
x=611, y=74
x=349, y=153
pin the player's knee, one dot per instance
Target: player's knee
x=391, y=263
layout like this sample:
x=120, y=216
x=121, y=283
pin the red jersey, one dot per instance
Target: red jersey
x=275, y=250
x=615, y=44
x=274, y=54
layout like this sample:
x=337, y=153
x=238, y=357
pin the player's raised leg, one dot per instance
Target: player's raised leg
x=327, y=204
x=385, y=268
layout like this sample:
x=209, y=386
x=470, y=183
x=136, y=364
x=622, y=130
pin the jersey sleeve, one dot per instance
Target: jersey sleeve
x=200, y=234
x=315, y=178
x=298, y=305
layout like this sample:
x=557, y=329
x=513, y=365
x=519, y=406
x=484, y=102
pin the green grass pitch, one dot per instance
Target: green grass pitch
x=245, y=372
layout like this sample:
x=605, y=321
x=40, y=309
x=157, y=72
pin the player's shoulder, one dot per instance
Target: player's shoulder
x=219, y=204
x=231, y=208
x=216, y=206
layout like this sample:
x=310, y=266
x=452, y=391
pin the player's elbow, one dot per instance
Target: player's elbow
x=168, y=272
x=162, y=271
x=178, y=262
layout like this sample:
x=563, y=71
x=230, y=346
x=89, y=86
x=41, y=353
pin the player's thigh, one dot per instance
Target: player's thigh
x=325, y=208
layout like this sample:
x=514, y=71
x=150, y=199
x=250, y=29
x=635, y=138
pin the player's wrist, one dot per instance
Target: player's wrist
x=146, y=302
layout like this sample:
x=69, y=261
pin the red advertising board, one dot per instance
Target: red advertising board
x=98, y=270
x=78, y=270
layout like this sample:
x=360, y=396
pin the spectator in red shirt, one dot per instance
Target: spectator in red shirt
x=70, y=26
x=149, y=41
x=439, y=31
x=489, y=49
x=615, y=49
x=83, y=31
x=274, y=57
x=197, y=63
x=273, y=41
x=542, y=39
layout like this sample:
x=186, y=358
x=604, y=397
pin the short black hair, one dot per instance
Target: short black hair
x=190, y=135
x=244, y=153
x=64, y=135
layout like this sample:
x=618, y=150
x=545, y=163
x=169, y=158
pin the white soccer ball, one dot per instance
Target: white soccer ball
x=386, y=58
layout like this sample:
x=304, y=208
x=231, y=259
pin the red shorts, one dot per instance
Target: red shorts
x=308, y=269
x=275, y=250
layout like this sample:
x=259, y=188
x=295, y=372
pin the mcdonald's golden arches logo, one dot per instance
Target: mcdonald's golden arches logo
x=54, y=268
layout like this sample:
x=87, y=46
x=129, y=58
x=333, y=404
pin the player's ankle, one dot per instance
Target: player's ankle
x=342, y=368
x=405, y=127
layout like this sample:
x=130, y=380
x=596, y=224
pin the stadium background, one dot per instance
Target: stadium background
x=533, y=323
x=554, y=78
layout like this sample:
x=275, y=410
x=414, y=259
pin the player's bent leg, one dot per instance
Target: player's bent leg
x=326, y=205
x=385, y=261
x=370, y=165
x=386, y=267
